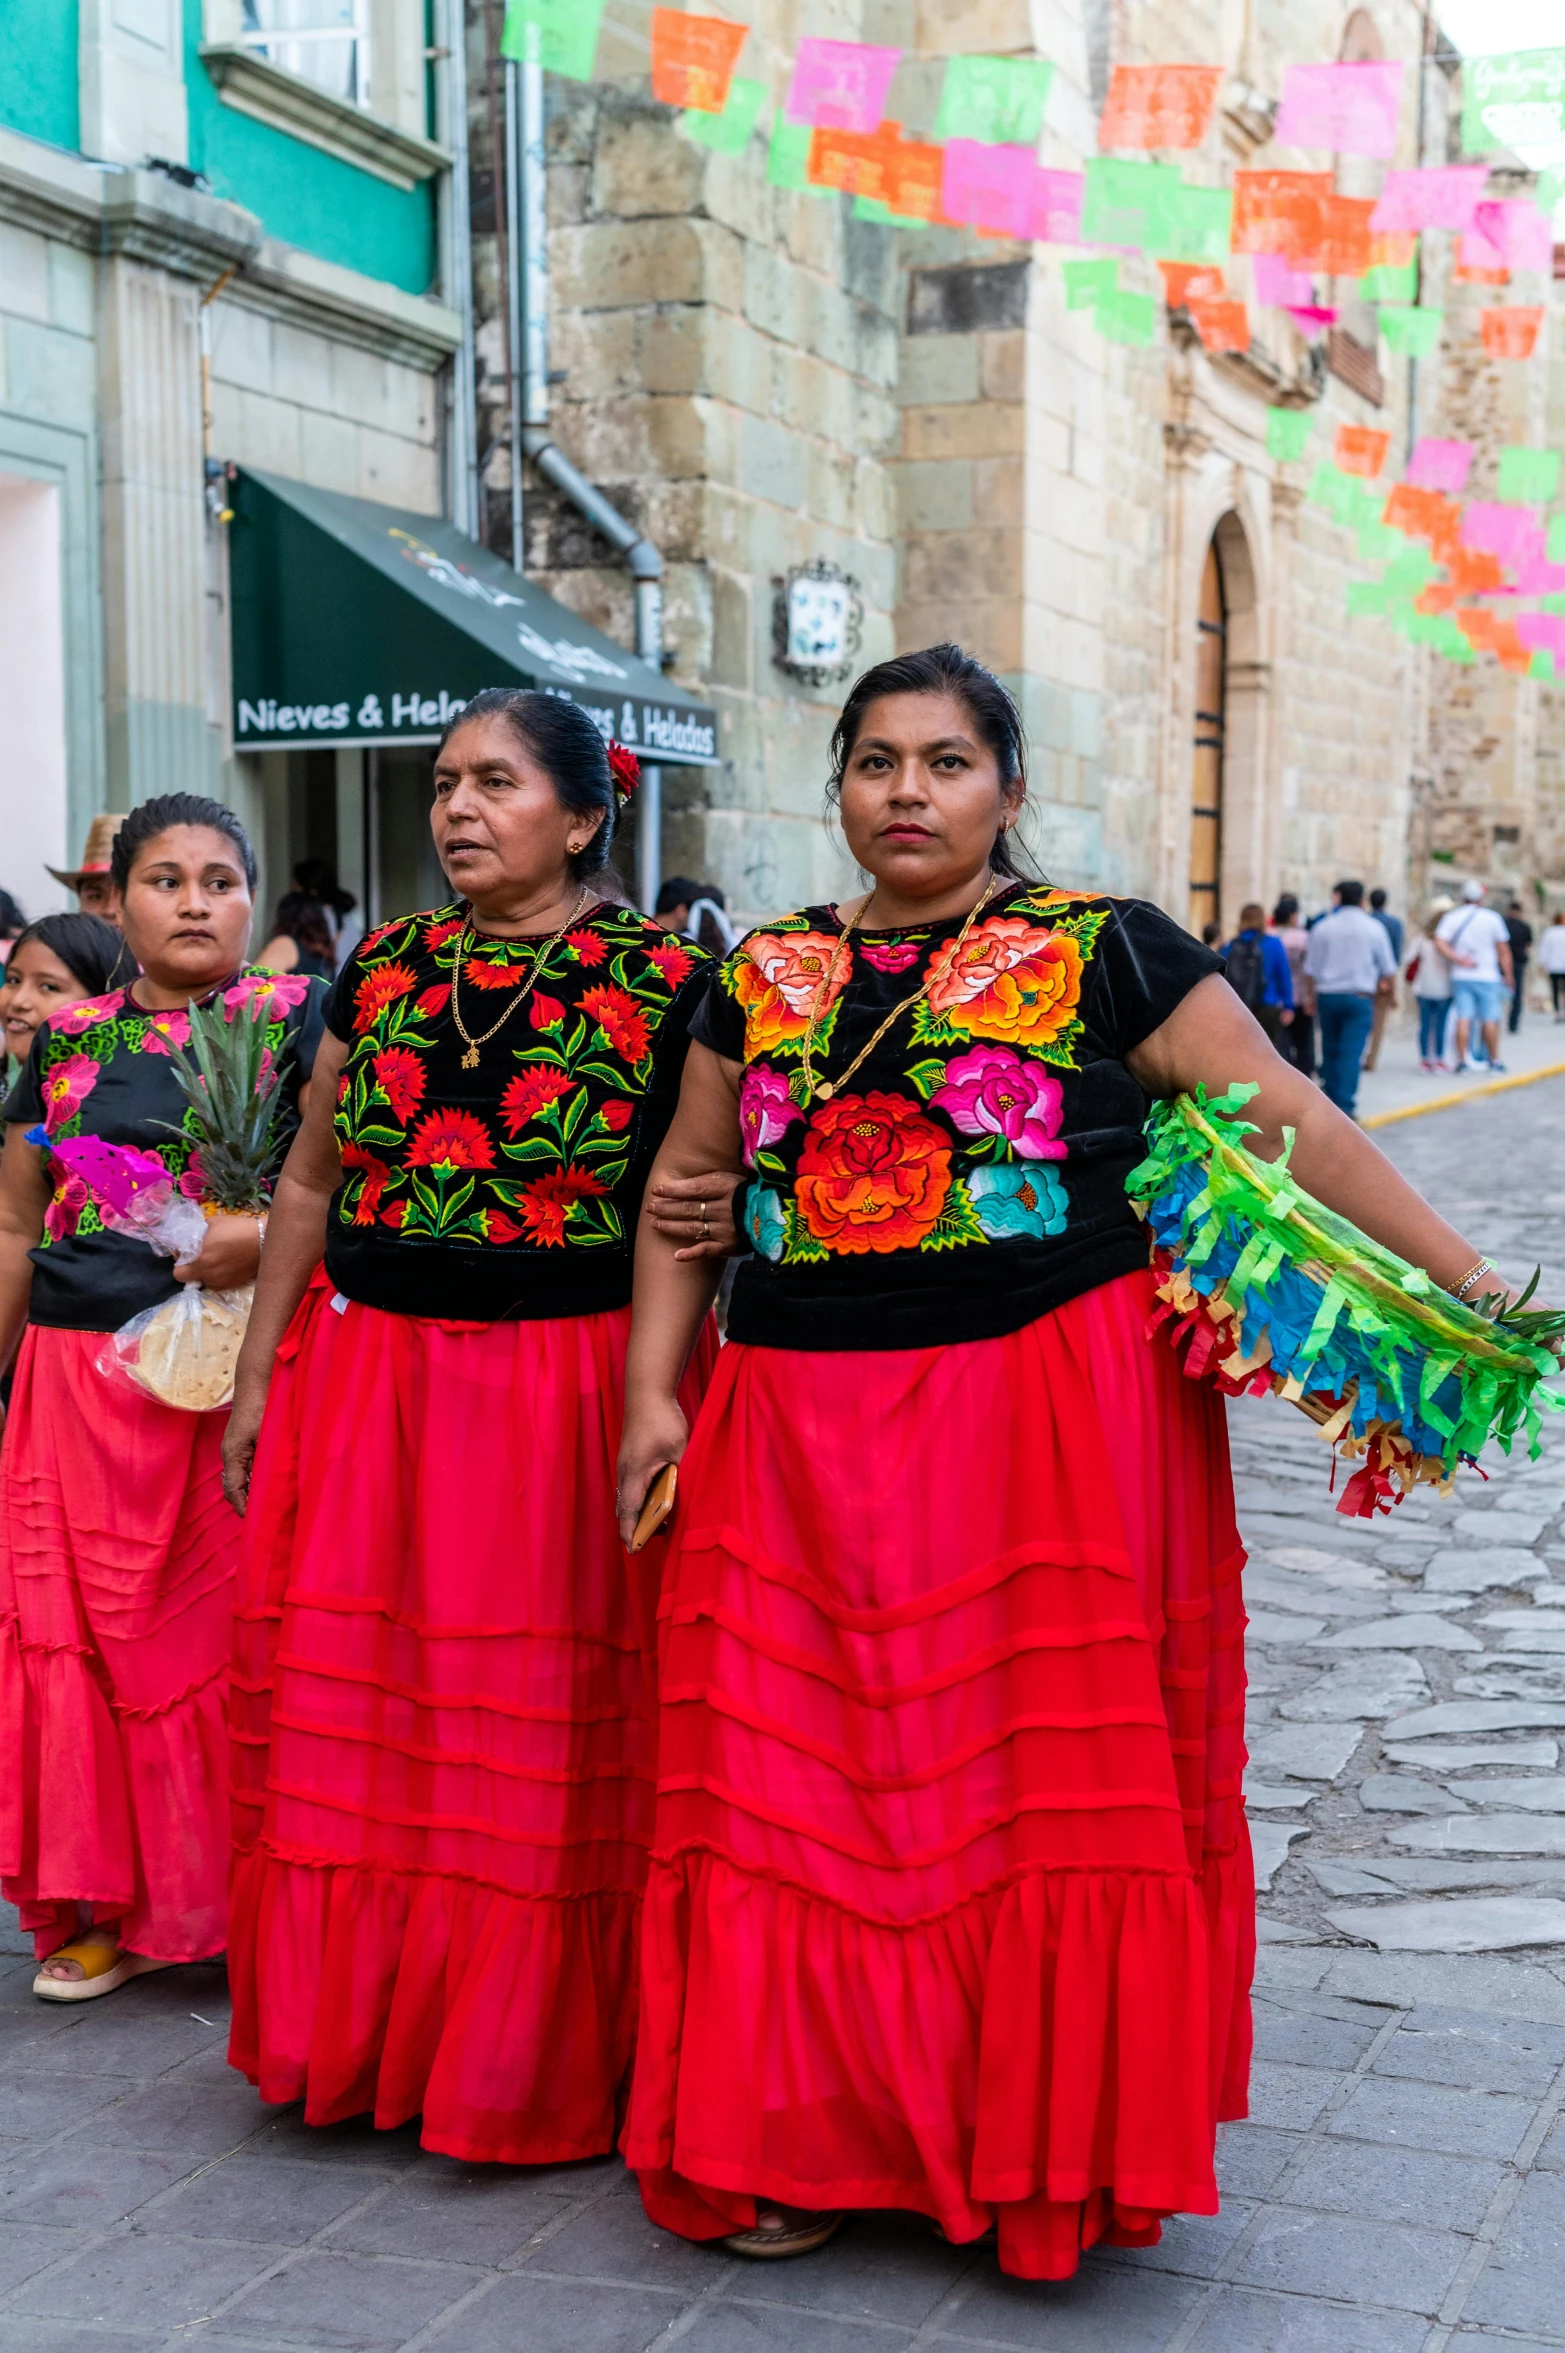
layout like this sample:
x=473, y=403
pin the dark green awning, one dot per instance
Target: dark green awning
x=358, y=624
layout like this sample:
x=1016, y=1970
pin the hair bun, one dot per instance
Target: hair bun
x=625, y=768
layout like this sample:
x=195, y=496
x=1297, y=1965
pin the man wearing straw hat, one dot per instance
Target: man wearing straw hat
x=95, y=892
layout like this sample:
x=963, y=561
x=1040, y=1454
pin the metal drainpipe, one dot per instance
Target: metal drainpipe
x=459, y=266
x=529, y=223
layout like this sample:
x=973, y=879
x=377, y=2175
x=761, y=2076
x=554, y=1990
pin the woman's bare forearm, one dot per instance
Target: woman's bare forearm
x=673, y=1297
x=295, y=1246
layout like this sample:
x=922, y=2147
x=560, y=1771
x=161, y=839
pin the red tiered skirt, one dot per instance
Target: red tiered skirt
x=117, y=1557
x=951, y=1904
x=443, y=1733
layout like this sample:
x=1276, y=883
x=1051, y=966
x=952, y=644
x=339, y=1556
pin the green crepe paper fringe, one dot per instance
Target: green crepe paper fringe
x=1294, y=1299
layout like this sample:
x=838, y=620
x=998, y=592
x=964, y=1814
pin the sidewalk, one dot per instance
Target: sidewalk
x=1398, y=1084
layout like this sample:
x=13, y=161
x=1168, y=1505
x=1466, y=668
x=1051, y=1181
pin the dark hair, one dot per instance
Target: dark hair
x=1286, y=907
x=569, y=749
x=12, y=920
x=156, y=816
x=942, y=669
x=678, y=891
x=304, y=919
x=87, y=946
x=313, y=879
x=1351, y=893
x=1377, y=898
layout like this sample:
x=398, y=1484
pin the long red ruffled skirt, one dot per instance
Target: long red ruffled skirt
x=951, y=1903
x=443, y=1733
x=117, y=1557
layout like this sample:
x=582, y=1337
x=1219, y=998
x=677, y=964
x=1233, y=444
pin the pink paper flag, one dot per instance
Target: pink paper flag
x=1278, y=285
x=1508, y=236
x=1444, y=198
x=1056, y=206
x=1512, y=533
x=989, y=187
x=1440, y=465
x=1545, y=631
x=1310, y=317
x=1347, y=109
x=841, y=85
x=1536, y=577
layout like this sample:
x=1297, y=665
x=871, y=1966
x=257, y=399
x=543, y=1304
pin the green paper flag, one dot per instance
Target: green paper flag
x=870, y=208
x=788, y=156
x=1087, y=282
x=1378, y=542
x=1121, y=200
x=727, y=133
x=1389, y=283
x=1345, y=498
x=1541, y=665
x=1413, y=328
x=560, y=35
x=1555, y=551
x=1123, y=317
x=1366, y=596
x=1287, y=433
x=1546, y=196
x=1528, y=477
x=1411, y=568
x=1196, y=224
x=998, y=100
x=1514, y=100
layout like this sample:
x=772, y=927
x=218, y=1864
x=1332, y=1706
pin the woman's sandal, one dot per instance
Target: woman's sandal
x=789, y=2238
x=104, y=1967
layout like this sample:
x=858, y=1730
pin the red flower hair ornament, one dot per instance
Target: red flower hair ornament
x=625, y=769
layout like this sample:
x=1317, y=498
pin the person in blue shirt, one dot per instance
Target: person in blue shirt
x=1257, y=970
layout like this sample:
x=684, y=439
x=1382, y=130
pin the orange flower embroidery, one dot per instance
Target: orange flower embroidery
x=1012, y=980
x=874, y=1174
x=775, y=982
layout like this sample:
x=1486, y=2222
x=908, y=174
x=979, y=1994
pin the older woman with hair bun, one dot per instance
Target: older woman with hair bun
x=444, y=1724
x=951, y=1904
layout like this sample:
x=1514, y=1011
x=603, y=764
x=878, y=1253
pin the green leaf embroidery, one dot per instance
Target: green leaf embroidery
x=800, y=1248
x=926, y=1076
x=957, y=1223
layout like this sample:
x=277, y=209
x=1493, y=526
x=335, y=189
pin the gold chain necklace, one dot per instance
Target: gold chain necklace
x=939, y=967
x=470, y=1058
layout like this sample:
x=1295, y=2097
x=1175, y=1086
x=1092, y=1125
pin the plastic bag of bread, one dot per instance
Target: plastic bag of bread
x=185, y=1351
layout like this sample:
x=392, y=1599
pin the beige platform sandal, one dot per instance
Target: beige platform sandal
x=764, y=2245
x=104, y=1968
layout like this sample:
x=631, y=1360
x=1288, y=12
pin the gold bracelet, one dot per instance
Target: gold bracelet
x=1473, y=1275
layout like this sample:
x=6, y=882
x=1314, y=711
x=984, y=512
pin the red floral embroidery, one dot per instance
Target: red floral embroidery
x=873, y=1174
x=395, y=1214
x=675, y=964
x=546, y=1205
x=433, y=1002
x=478, y=975
x=620, y=1018
x=545, y=1012
x=500, y=1228
x=376, y=1172
x=401, y=1077
x=533, y=1092
x=617, y=1115
x=436, y=934
x=450, y=1139
x=589, y=949
x=381, y=986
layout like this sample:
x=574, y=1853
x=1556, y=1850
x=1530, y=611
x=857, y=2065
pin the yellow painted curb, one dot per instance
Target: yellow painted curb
x=1490, y=1086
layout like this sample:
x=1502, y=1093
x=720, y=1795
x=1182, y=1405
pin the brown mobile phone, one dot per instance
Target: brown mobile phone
x=658, y=1506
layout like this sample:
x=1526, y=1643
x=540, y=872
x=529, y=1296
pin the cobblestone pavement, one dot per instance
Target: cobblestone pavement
x=1399, y=2187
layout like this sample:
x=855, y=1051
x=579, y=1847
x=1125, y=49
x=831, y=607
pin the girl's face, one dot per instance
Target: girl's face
x=33, y=985
x=187, y=908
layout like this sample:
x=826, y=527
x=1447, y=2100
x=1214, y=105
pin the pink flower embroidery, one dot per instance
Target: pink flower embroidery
x=166, y=1031
x=63, y=1214
x=193, y=1183
x=766, y=1109
x=993, y=1092
x=273, y=993
x=71, y=1020
x=66, y=1089
x=890, y=955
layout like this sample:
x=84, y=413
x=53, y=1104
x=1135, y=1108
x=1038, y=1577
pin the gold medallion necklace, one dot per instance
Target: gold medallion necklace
x=470, y=1058
x=825, y=1089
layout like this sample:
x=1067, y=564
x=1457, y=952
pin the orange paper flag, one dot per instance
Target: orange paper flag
x=1338, y=242
x=915, y=175
x=1187, y=280
x=1510, y=334
x=1423, y=514
x=1222, y=323
x=859, y=162
x=1361, y=450
x=1394, y=250
x=1273, y=210
x=1473, y=570
x=693, y=59
x=1439, y=597
x=1159, y=106
x=1470, y=274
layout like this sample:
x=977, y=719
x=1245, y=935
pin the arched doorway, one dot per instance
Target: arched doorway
x=1206, y=799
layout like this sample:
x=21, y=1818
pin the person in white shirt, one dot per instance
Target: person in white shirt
x=1430, y=976
x=1347, y=964
x=1551, y=959
x=1475, y=942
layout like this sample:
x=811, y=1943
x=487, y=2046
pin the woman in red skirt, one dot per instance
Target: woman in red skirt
x=443, y=1726
x=117, y=1550
x=951, y=1904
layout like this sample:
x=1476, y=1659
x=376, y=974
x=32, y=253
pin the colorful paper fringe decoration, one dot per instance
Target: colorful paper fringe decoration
x=1275, y=1294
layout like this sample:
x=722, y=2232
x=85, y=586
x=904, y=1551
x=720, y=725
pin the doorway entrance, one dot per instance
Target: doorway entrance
x=1206, y=800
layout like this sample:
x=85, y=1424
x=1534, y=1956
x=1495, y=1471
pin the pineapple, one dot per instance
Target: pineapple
x=231, y=1084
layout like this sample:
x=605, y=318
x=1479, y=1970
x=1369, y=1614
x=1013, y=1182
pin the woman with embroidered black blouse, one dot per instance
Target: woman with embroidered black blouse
x=443, y=1721
x=951, y=1905
x=117, y=1551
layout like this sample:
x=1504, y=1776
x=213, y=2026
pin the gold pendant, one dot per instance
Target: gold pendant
x=825, y=1090
x=470, y=1058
